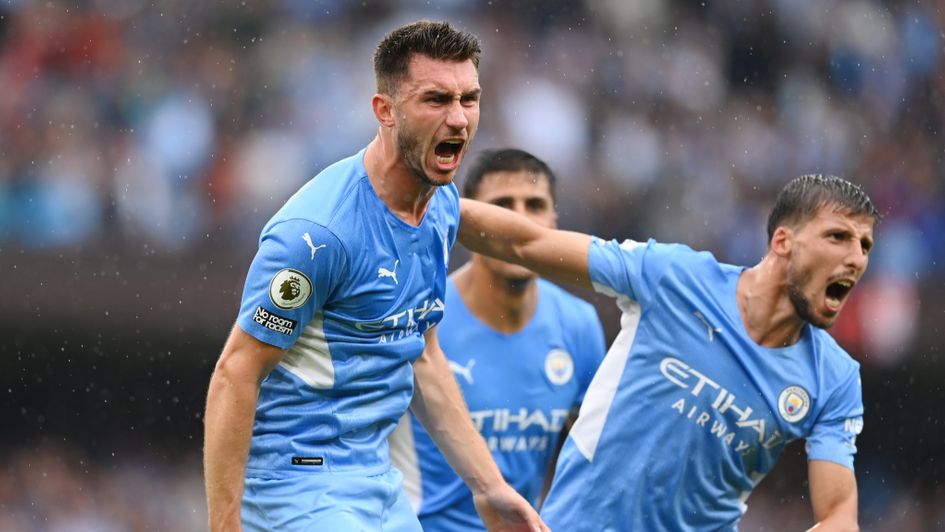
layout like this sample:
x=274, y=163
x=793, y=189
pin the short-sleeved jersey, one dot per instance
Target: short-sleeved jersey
x=519, y=389
x=687, y=413
x=348, y=288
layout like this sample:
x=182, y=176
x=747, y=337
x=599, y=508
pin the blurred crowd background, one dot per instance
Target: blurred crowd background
x=144, y=144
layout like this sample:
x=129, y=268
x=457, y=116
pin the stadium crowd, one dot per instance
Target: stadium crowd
x=183, y=125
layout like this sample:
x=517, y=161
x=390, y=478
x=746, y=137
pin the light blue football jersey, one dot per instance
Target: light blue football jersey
x=348, y=288
x=519, y=388
x=687, y=413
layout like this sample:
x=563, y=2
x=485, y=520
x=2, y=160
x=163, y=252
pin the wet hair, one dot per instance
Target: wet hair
x=505, y=160
x=804, y=196
x=436, y=40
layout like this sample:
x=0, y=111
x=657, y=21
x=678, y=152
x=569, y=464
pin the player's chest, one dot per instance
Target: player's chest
x=531, y=371
x=517, y=398
x=395, y=281
x=714, y=381
x=743, y=412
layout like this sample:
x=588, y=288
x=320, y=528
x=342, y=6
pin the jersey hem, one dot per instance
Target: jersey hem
x=274, y=474
x=845, y=463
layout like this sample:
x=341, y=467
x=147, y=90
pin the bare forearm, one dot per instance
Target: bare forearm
x=228, y=423
x=439, y=406
x=500, y=233
x=494, y=231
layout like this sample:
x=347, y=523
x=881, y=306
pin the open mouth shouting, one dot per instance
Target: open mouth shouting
x=448, y=153
x=837, y=292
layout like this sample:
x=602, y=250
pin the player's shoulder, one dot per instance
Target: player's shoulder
x=834, y=361
x=655, y=250
x=330, y=197
x=296, y=242
x=683, y=253
x=681, y=258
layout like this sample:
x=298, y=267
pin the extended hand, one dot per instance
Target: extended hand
x=504, y=510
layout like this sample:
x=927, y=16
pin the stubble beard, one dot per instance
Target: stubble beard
x=518, y=283
x=513, y=282
x=802, y=305
x=408, y=147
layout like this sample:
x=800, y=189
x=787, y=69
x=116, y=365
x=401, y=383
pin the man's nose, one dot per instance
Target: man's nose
x=456, y=116
x=857, y=258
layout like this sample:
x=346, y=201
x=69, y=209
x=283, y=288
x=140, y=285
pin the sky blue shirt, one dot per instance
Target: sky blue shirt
x=348, y=288
x=519, y=388
x=687, y=413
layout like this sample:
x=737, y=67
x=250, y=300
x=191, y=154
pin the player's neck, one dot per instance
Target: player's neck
x=405, y=195
x=765, y=308
x=502, y=305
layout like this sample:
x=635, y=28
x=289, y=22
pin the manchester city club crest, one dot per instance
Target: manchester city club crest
x=793, y=403
x=289, y=289
x=559, y=367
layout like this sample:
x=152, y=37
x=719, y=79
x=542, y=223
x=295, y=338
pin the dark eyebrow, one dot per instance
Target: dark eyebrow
x=439, y=92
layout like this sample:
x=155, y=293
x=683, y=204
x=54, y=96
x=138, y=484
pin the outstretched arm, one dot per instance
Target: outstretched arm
x=438, y=404
x=228, y=423
x=506, y=235
x=833, y=495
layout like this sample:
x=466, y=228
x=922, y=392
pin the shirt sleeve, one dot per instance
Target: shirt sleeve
x=591, y=350
x=630, y=268
x=297, y=267
x=833, y=437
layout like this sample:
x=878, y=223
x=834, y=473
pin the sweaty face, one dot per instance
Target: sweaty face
x=829, y=254
x=436, y=113
x=526, y=193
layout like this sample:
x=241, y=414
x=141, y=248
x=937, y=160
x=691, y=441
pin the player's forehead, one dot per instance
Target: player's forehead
x=517, y=183
x=426, y=74
x=833, y=216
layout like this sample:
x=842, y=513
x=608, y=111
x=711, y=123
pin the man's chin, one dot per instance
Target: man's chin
x=435, y=179
x=822, y=322
x=519, y=280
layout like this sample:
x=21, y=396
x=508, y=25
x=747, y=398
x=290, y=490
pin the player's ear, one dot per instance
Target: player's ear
x=782, y=241
x=383, y=106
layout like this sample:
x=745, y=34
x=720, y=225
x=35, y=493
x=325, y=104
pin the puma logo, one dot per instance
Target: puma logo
x=464, y=371
x=708, y=327
x=308, y=240
x=384, y=272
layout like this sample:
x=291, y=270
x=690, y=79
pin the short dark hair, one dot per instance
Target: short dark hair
x=437, y=40
x=800, y=200
x=505, y=160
